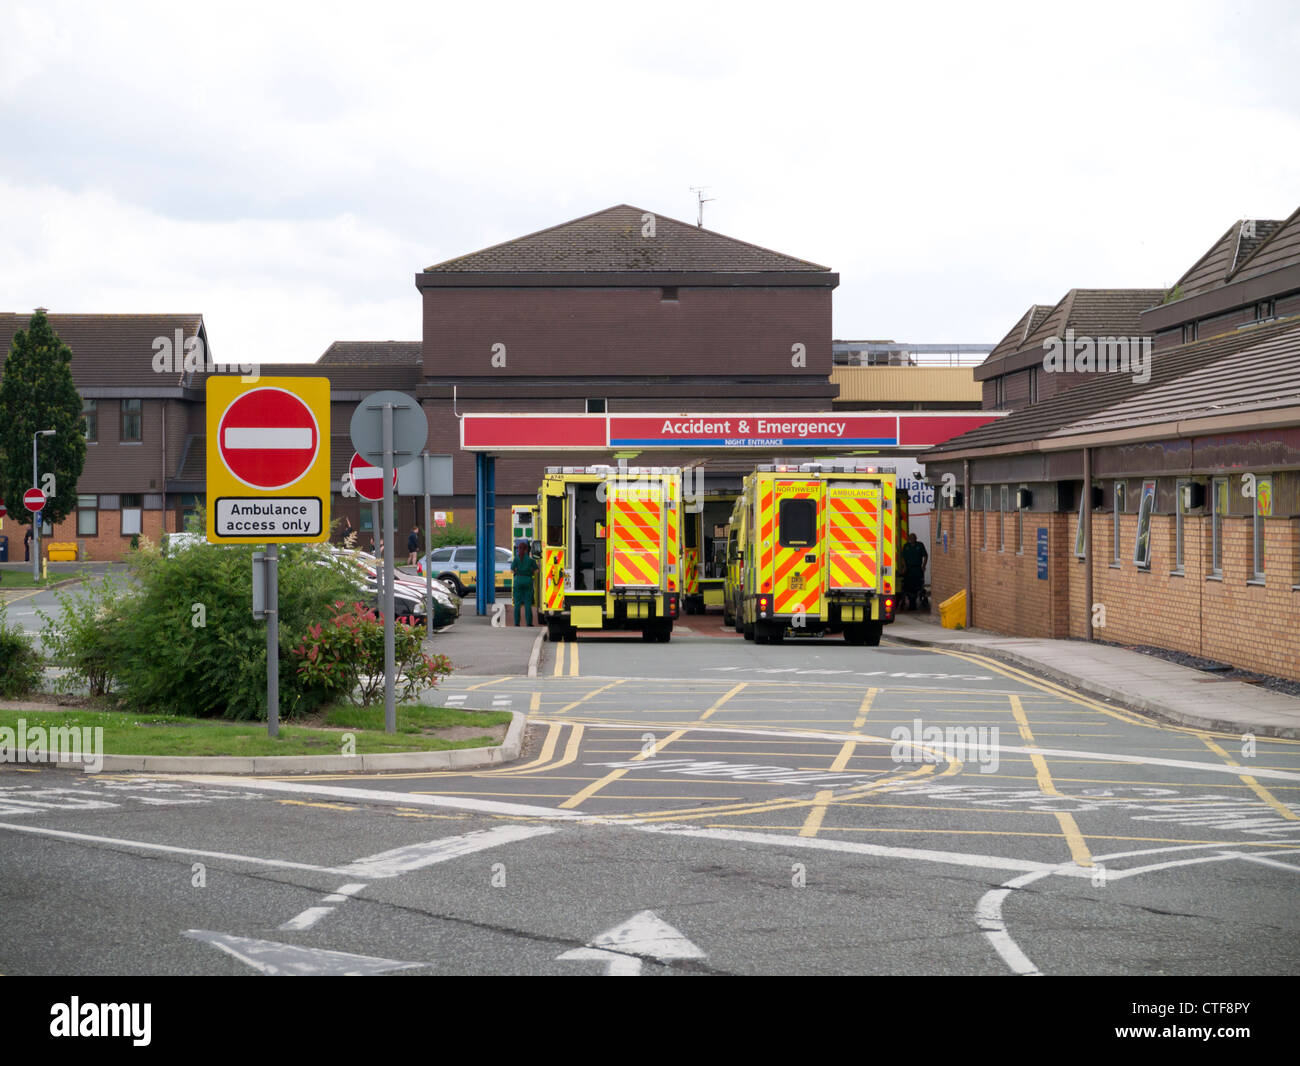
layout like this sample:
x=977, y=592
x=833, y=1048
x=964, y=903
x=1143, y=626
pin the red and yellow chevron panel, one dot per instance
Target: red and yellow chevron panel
x=853, y=536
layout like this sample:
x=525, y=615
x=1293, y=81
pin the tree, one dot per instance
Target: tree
x=37, y=392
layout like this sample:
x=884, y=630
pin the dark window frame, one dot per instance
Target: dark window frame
x=807, y=511
x=137, y=414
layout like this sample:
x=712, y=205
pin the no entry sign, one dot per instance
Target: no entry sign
x=268, y=460
x=368, y=480
x=33, y=500
x=268, y=438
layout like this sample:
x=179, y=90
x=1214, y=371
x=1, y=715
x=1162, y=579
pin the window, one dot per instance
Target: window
x=1180, y=514
x=988, y=508
x=1000, y=393
x=88, y=516
x=668, y=292
x=1084, y=520
x=131, y=422
x=1265, y=309
x=796, y=523
x=1142, y=546
x=690, y=537
x=1121, y=494
x=190, y=503
x=1033, y=384
x=1002, y=511
x=1263, y=510
x=1189, y=332
x=367, y=519
x=441, y=557
x=1020, y=528
x=91, y=415
x=1218, y=508
x=554, y=520
x=131, y=510
x=596, y=405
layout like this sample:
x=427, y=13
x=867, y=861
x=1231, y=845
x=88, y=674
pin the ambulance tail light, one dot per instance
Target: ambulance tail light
x=887, y=608
x=763, y=603
x=672, y=605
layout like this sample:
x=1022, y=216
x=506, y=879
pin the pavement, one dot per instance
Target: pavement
x=476, y=646
x=1141, y=682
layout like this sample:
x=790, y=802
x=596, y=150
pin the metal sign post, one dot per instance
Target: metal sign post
x=426, y=459
x=399, y=434
x=272, y=610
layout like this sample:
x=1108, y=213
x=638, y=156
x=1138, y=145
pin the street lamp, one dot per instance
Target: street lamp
x=36, y=518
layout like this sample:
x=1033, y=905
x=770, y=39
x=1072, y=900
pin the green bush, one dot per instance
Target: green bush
x=343, y=659
x=180, y=635
x=442, y=536
x=80, y=637
x=20, y=663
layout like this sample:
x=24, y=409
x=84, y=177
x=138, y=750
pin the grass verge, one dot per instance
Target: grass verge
x=168, y=734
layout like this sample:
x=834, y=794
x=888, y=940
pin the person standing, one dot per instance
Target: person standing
x=523, y=566
x=413, y=546
x=914, y=559
x=27, y=545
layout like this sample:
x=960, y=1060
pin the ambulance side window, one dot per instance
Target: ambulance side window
x=554, y=519
x=690, y=531
x=797, y=523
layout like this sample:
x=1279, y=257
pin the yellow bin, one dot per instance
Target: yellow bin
x=62, y=552
x=952, y=612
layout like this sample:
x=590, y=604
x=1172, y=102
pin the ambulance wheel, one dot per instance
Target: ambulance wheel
x=748, y=631
x=648, y=634
x=873, y=631
x=769, y=633
x=727, y=620
x=556, y=632
x=856, y=634
x=664, y=633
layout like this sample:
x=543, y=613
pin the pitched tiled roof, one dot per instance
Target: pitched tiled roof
x=1280, y=247
x=1089, y=312
x=371, y=353
x=1019, y=333
x=611, y=240
x=110, y=351
x=1227, y=256
x=1250, y=369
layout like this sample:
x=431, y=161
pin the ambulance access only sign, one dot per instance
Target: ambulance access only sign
x=268, y=460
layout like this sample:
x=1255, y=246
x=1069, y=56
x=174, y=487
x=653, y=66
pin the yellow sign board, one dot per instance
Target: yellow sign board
x=268, y=460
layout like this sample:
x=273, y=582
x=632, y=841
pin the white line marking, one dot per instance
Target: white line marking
x=277, y=960
x=259, y=437
x=988, y=916
x=417, y=856
x=306, y=919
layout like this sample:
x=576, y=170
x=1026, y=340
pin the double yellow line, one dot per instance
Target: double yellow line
x=559, y=658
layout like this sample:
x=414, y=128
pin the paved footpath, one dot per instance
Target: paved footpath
x=1142, y=682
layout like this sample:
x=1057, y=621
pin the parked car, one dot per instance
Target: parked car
x=457, y=568
x=408, y=592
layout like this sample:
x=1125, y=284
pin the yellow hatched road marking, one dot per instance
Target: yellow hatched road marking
x=535, y=704
x=614, y=775
x=1254, y=785
x=723, y=699
x=485, y=684
x=867, y=700
x=1069, y=828
x=594, y=692
x=559, y=659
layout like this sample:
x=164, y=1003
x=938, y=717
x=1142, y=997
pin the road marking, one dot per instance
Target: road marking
x=594, y=692
x=573, y=659
x=559, y=659
x=596, y=786
x=306, y=919
x=721, y=700
x=417, y=856
x=643, y=936
x=867, y=700
x=1069, y=827
x=988, y=916
x=485, y=684
x=1252, y=784
x=288, y=960
x=535, y=703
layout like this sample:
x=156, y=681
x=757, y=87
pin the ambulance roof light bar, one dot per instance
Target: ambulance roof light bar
x=605, y=470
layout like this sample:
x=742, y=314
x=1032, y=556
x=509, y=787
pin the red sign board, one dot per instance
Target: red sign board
x=542, y=431
x=3, y=509
x=33, y=500
x=268, y=438
x=368, y=480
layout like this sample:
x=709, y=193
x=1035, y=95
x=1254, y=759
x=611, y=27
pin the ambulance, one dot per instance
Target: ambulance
x=813, y=549
x=611, y=549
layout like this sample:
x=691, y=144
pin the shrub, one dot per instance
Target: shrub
x=441, y=536
x=20, y=663
x=343, y=658
x=81, y=636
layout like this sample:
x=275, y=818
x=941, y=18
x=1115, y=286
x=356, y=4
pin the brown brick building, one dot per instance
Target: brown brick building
x=1188, y=533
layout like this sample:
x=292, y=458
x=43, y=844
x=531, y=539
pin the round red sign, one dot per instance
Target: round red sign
x=268, y=438
x=33, y=500
x=368, y=479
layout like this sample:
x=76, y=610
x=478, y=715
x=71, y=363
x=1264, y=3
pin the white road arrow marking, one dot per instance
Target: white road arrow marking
x=643, y=936
x=288, y=960
x=417, y=856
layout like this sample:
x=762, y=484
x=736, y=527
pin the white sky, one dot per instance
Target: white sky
x=286, y=169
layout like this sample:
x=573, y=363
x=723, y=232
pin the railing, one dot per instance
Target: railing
x=890, y=353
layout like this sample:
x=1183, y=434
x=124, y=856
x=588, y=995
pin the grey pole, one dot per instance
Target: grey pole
x=390, y=666
x=273, y=640
x=428, y=566
x=36, y=518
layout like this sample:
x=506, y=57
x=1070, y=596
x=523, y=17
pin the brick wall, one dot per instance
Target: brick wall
x=108, y=545
x=1256, y=627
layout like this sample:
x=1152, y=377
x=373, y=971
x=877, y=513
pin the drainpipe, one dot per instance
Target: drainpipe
x=1085, y=509
x=965, y=490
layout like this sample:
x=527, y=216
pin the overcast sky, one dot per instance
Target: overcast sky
x=286, y=169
